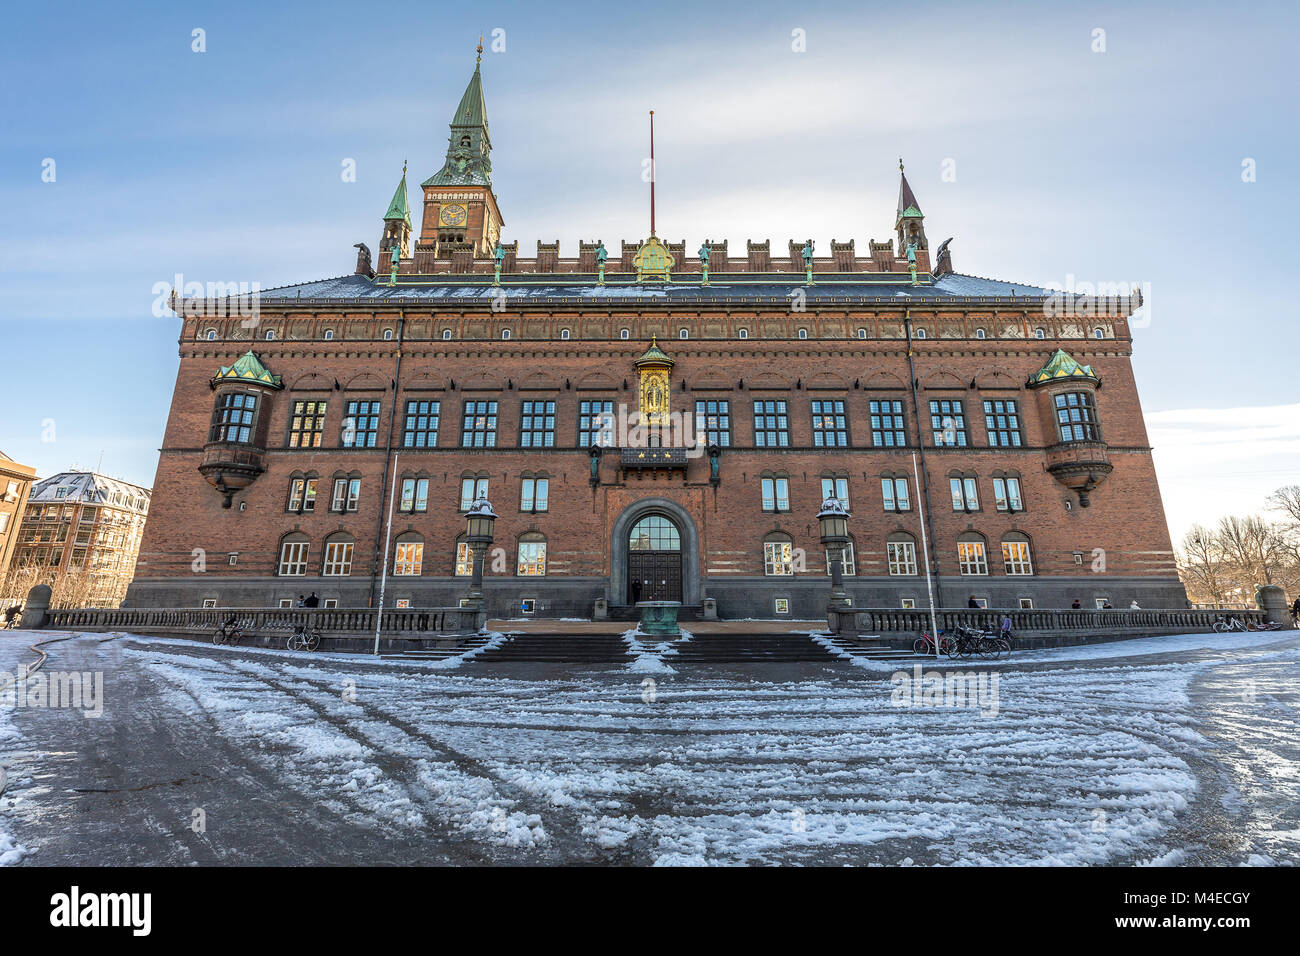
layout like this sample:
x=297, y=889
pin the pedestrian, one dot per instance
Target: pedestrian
x=312, y=600
x=1006, y=626
x=1107, y=606
x=1295, y=612
x=302, y=601
x=1076, y=605
x=1134, y=606
x=972, y=602
x=14, y=610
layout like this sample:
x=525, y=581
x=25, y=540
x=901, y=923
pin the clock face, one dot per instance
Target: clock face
x=453, y=214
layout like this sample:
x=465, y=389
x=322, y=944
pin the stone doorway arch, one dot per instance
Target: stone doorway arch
x=689, y=550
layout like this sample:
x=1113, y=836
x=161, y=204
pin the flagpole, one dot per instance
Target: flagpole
x=925, y=553
x=652, y=172
x=388, y=539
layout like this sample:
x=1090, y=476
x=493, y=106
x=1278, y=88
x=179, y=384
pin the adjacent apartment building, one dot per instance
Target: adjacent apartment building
x=15, y=485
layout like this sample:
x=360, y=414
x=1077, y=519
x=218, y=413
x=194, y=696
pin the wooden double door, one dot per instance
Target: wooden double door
x=654, y=576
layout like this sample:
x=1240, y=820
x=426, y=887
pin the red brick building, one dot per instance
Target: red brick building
x=984, y=424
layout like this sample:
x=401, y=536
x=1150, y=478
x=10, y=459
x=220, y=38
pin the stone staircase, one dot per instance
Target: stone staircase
x=873, y=650
x=438, y=653
x=558, y=649
x=749, y=649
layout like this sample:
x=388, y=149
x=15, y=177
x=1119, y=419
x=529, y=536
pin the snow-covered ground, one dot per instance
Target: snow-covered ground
x=1169, y=750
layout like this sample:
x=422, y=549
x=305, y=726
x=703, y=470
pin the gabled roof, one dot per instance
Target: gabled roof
x=1062, y=365
x=248, y=368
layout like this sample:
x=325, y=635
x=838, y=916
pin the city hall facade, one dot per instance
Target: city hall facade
x=650, y=422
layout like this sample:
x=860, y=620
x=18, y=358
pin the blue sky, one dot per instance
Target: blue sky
x=225, y=166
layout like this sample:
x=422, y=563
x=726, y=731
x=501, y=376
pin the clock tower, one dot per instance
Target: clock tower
x=460, y=209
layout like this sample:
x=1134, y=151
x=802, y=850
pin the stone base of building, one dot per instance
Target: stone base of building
x=735, y=597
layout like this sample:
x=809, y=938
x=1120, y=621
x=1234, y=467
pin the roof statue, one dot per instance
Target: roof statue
x=601, y=252
x=704, y=254
x=807, y=253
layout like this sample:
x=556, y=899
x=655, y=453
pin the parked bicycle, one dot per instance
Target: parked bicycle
x=925, y=645
x=966, y=641
x=230, y=631
x=303, y=638
x=1224, y=625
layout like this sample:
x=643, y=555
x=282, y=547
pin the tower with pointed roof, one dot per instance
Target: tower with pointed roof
x=460, y=209
x=397, y=226
x=909, y=222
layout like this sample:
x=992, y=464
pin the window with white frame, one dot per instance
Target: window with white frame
x=837, y=488
x=776, y=494
x=778, y=557
x=1015, y=556
x=948, y=422
x=338, y=559
x=965, y=495
x=471, y=489
x=415, y=495
x=302, y=495
x=408, y=558
x=533, y=494
x=347, y=494
x=895, y=495
x=464, y=560
x=901, y=556
x=1006, y=493
x=972, y=557
x=293, y=557
x=846, y=557
x=532, y=557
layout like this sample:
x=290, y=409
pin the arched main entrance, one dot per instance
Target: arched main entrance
x=654, y=560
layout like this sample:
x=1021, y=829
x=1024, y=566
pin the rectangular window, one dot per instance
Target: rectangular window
x=233, y=419
x=464, y=560
x=360, y=425
x=338, y=559
x=887, y=424
x=948, y=423
x=537, y=425
x=293, y=557
x=830, y=426
x=415, y=495
x=533, y=494
x=306, y=424
x=908, y=604
x=846, y=555
x=479, y=425
x=771, y=425
x=595, y=424
x=971, y=557
x=471, y=489
x=776, y=494
x=965, y=495
x=1015, y=557
x=778, y=557
x=895, y=495
x=421, y=428
x=1076, y=416
x=781, y=605
x=902, y=557
x=302, y=495
x=347, y=494
x=4, y=522
x=1006, y=493
x=1003, y=423
x=713, y=421
x=837, y=488
x=409, y=557
x=532, y=559
x=1026, y=604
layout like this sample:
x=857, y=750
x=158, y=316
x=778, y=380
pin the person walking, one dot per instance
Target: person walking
x=312, y=601
x=302, y=601
x=1134, y=606
x=972, y=602
x=1295, y=612
x=1076, y=605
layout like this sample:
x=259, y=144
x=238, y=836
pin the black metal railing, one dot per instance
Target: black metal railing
x=333, y=622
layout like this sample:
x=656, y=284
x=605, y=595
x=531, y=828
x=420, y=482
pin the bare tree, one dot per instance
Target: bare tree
x=1204, y=568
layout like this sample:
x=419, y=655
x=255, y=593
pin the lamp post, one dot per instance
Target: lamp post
x=480, y=519
x=834, y=522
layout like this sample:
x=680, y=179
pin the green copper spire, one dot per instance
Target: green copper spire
x=469, y=146
x=399, y=208
x=1062, y=365
x=248, y=368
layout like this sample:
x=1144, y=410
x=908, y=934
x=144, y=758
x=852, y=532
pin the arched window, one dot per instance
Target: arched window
x=846, y=556
x=654, y=533
x=778, y=554
x=744, y=333
x=329, y=335
x=920, y=333
x=972, y=554
x=862, y=333
x=293, y=555
x=446, y=334
x=388, y=335
x=408, y=556
x=803, y=333
x=623, y=333
x=1016, y=558
x=564, y=334
x=505, y=333
x=532, y=556
x=900, y=553
x=210, y=335
x=270, y=335
x=1098, y=333
x=338, y=556
x=979, y=333
x=1040, y=334
x=683, y=334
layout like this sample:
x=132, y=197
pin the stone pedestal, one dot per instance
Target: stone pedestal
x=659, y=618
x=38, y=602
x=1270, y=599
x=710, y=609
x=601, y=611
